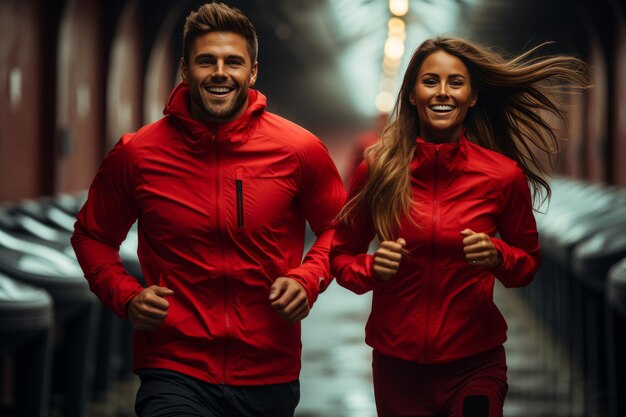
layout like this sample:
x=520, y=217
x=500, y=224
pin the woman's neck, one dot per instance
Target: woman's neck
x=438, y=136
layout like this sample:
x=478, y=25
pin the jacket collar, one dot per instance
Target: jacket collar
x=441, y=159
x=200, y=135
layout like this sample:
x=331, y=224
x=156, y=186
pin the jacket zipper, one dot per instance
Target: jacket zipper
x=239, y=189
x=218, y=213
x=435, y=221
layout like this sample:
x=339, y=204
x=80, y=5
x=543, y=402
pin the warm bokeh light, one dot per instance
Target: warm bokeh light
x=391, y=65
x=384, y=102
x=394, y=48
x=396, y=27
x=399, y=7
x=393, y=54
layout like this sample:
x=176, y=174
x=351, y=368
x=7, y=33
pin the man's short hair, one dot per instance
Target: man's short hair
x=218, y=17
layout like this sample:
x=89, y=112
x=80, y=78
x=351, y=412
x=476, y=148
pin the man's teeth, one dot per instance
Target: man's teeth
x=442, y=107
x=219, y=90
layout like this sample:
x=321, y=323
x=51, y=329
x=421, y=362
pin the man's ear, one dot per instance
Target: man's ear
x=183, y=69
x=253, y=74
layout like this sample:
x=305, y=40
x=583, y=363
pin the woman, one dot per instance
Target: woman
x=450, y=173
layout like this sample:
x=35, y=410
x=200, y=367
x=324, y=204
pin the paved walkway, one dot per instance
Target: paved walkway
x=336, y=378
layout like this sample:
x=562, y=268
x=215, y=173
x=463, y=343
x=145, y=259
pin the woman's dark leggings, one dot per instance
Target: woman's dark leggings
x=469, y=387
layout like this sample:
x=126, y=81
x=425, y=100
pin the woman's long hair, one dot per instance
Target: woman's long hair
x=507, y=118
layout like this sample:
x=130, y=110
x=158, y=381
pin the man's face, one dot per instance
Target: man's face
x=219, y=73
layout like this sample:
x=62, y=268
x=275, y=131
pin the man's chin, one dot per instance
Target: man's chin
x=225, y=113
x=220, y=112
x=219, y=115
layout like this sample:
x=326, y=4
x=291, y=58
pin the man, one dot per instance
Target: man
x=221, y=189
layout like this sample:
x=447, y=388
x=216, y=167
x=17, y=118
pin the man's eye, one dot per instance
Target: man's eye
x=205, y=59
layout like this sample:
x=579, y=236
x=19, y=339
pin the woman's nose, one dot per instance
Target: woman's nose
x=443, y=90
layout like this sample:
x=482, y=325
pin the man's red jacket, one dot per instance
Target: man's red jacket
x=438, y=307
x=221, y=214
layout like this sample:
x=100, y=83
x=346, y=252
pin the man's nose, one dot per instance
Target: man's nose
x=219, y=69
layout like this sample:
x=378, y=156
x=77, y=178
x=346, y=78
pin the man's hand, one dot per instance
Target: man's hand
x=147, y=311
x=387, y=258
x=480, y=250
x=289, y=299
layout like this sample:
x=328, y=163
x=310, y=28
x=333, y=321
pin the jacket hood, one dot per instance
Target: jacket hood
x=198, y=134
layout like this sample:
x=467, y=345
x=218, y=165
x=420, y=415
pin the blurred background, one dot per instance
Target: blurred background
x=75, y=75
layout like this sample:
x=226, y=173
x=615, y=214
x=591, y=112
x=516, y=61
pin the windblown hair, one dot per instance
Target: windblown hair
x=218, y=17
x=507, y=118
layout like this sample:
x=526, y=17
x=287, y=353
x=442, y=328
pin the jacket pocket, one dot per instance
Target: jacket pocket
x=239, y=192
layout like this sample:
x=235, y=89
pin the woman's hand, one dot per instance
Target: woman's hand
x=480, y=250
x=387, y=258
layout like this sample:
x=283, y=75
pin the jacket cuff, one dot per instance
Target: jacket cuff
x=376, y=281
x=126, y=295
x=502, y=249
x=313, y=285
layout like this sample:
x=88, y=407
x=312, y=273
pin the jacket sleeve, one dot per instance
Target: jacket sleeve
x=102, y=225
x=321, y=196
x=349, y=261
x=519, y=241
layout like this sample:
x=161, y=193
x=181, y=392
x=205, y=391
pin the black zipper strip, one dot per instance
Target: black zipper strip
x=239, y=184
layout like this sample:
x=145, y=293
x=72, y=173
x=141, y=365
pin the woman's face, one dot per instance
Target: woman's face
x=442, y=95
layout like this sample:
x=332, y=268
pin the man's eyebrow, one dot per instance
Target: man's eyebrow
x=210, y=55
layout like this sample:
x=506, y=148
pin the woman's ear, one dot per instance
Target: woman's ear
x=474, y=100
x=412, y=99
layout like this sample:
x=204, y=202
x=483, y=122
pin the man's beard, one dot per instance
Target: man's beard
x=224, y=111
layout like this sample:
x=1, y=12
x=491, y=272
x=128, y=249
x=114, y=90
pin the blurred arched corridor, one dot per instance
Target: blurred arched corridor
x=76, y=75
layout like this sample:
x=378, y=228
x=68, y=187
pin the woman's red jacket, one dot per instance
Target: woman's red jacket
x=438, y=307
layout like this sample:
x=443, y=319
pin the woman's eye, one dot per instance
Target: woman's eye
x=430, y=82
